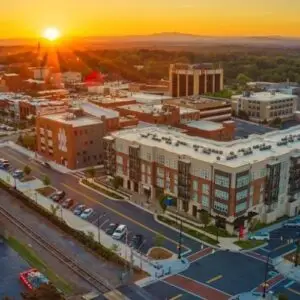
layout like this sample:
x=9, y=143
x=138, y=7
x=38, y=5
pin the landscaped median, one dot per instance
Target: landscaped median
x=192, y=232
x=101, y=189
x=249, y=244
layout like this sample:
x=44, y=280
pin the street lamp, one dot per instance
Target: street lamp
x=266, y=275
x=180, y=240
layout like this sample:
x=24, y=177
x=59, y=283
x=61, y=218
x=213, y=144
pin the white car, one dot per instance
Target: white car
x=86, y=213
x=259, y=236
x=119, y=232
x=292, y=223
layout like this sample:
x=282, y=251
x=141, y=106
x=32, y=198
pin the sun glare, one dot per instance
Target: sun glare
x=51, y=34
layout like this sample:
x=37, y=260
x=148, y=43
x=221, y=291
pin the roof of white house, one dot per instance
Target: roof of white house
x=264, y=96
x=97, y=111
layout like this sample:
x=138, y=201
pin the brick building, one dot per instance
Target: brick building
x=234, y=181
x=72, y=139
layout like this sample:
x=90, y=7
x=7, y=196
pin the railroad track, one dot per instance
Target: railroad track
x=94, y=280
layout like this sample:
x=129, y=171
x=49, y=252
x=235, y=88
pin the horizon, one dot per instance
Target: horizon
x=117, y=18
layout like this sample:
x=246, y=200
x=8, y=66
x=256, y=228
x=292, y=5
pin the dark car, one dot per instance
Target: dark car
x=59, y=195
x=111, y=228
x=136, y=241
x=47, y=165
x=68, y=203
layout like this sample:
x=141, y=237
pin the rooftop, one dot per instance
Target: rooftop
x=108, y=99
x=11, y=74
x=205, y=125
x=69, y=118
x=154, y=109
x=97, y=111
x=233, y=154
x=13, y=96
x=148, y=98
x=264, y=96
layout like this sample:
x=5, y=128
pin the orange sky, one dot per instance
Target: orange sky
x=28, y=18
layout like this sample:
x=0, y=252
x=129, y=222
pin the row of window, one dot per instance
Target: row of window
x=220, y=207
x=242, y=181
x=222, y=180
x=221, y=194
x=241, y=207
x=241, y=195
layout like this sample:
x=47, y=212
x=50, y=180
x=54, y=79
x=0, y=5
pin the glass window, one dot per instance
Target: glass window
x=205, y=201
x=240, y=207
x=195, y=185
x=242, y=181
x=119, y=159
x=143, y=167
x=220, y=206
x=221, y=194
x=222, y=180
x=160, y=171
x=241, y=195
x=204, y=174
x=149, y=156
x=205, y=189
x=195, y=197
x=161, y=159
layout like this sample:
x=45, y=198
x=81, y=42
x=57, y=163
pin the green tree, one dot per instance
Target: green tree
x=162, y=202
x=205, y=217
x=27, y=170
x=91, y=172
x=117, y=182
x=29, y=141
x=46, y=180
x=242, y=79
x=44, y=292
x=91, y=235
x=158, y=240
x=54, y=209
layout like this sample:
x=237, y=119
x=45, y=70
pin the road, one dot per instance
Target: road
x=137, y=220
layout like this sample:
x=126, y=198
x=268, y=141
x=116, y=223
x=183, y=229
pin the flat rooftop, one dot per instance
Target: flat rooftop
x=265, y=96
x=108, y=100
x=97, y=111
x=154, y=109
x=13, y=96
x=66, y=118
x=205, y=125
x=232, y=154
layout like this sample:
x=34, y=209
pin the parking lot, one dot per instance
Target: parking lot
x=245, y=128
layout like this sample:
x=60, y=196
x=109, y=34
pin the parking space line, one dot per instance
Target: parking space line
x=176, y=297
x=214, y=278
x=120, y=214
x=289, y=284
x=293, y=291
x=280, y=247
x=184, y=290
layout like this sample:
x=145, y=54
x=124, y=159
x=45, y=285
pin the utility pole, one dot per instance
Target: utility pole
x=98, y=225
x=266, y=276
x=180, y=240
x=297, y=253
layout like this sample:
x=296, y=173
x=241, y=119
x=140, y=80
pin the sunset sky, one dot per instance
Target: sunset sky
x=28, y=18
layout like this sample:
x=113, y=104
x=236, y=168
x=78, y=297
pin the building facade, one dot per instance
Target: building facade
x=71, y=139
x=265, y=106
x=234, y=181
x=197, y=79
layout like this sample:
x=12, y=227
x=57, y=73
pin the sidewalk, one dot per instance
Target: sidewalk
x=155, y=269
x=288, y=269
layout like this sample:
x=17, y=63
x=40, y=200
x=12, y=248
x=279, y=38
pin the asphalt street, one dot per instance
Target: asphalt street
x=137, y=220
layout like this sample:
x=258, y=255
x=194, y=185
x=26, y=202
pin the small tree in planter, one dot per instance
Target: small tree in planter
x=205, y=218
x=27, y=170
x=117, y=182
x=46, y=180
x=91, y=172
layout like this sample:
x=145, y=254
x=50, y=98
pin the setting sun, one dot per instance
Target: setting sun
x=51, y=34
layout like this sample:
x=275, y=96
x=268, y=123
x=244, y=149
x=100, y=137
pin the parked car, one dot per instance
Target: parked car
x=4, y=164
x=136, y=241
x=292, y=223
x=57, y=196
x=18, y=174
x=111, y=228
x=119, y=232
x=79, y=209
x=259, y=236
x=68, y=203
x=47, y=165
x=86, y=213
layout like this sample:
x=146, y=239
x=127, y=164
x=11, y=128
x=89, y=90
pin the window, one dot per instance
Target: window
x=119, y=159
x=263, y=172
x=204, y=174
x=160, y=171
x=143, y=167
x=221, y=206
x=222, y=180
x=242, y=181
x=205, y=201
x=241, y=195
x=221, y=194
x=241, y=207
x=195, y=197
x=148, y=169
x=160, y=182
x=161, y=159
x=143, y=177
x=195, y=185
x=148, y=156
x=205, y=189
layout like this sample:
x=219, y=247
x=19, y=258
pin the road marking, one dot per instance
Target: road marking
x=176, y=297
x=184, y=290
x=289, y=284
x=121, y=214
x=214, y=278
x=293, y=291
x=282, y=246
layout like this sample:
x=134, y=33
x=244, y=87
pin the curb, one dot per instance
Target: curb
x=98, y=192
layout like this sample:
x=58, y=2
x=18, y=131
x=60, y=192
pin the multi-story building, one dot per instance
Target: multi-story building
x=265, y=106
x=197, y=79
x=72, y=139
x=210, y=109
x=234, y=181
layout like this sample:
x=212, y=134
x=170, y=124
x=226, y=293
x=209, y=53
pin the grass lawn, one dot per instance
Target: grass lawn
x=249, y=244
x=46, y=191
x=187, y=230
x=35, y=262
x=261, y=225
x=159, y=253
x=103, y=191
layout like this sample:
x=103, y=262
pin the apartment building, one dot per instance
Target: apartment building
x=265, y=106
x=195, y=79
x=234, y=181
x=72, y=139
